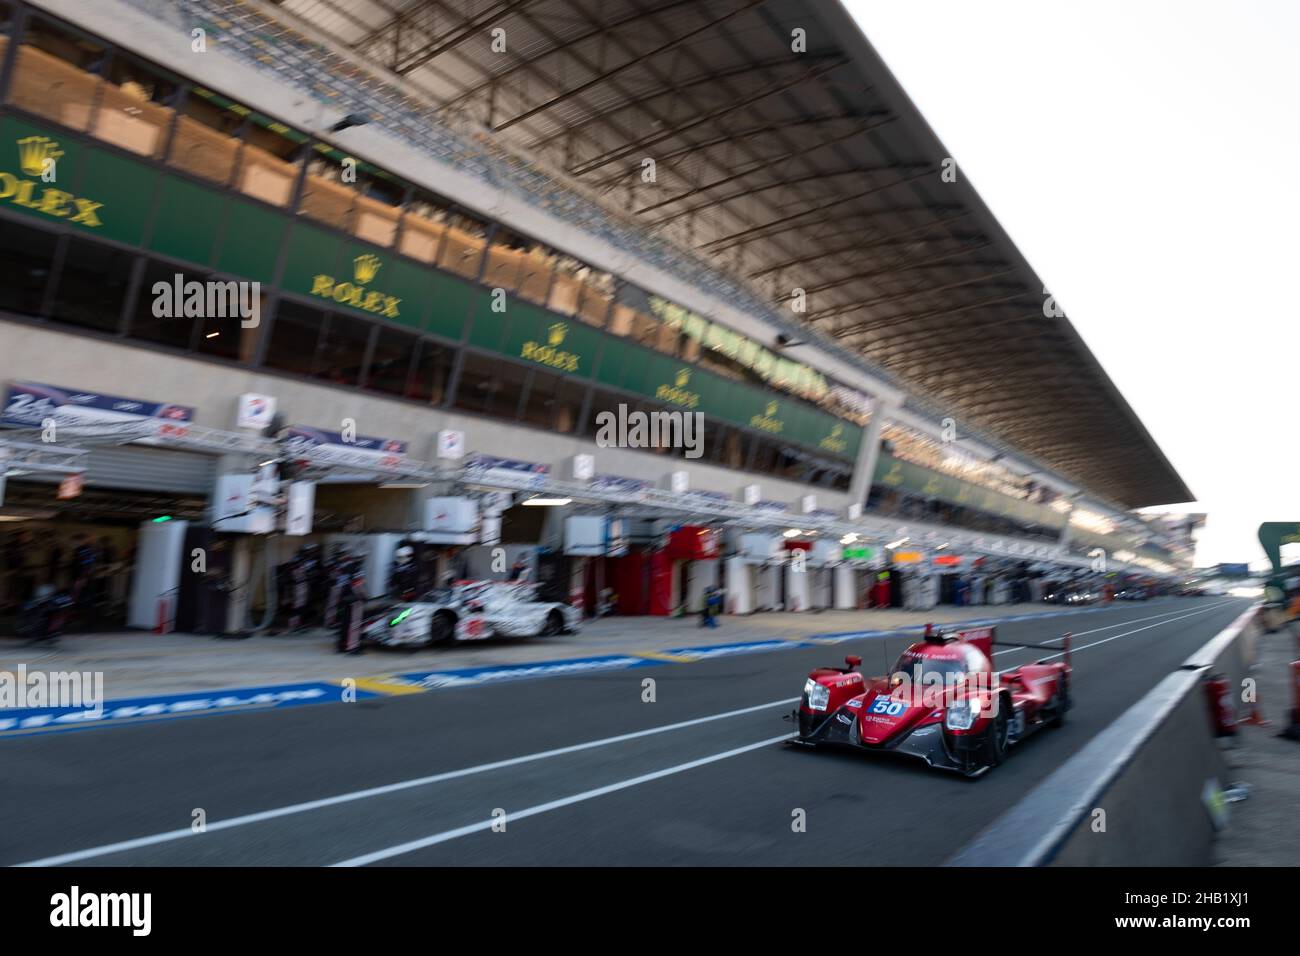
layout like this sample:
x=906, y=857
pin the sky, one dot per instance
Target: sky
x=1145, y=157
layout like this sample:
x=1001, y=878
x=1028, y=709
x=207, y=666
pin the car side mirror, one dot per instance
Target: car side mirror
x=853, y=661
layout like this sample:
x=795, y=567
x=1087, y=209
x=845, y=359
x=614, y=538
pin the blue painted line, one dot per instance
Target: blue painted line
x=709, y=651
x=18, y=723
x=491, y=674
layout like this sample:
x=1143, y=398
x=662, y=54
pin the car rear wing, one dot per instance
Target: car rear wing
x=1062, y=647
x=986, y=638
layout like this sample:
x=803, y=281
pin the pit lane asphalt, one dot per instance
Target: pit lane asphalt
x=72, y=797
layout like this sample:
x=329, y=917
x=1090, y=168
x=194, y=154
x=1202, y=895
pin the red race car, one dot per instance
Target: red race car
x=943, y=702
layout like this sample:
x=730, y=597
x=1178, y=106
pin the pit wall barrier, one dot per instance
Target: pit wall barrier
x=1147, y=779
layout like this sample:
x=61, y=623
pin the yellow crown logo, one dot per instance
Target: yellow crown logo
x=836, y=431
x=683, y=377
x=556, y=333
x=367, y=266
x=771, y=409
x=35, y=151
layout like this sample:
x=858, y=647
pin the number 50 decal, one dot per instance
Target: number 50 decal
x=887, y=706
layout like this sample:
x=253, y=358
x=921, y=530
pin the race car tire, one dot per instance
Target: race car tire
x=995, y=743
x=1062, y=703
x=554, y=625
x=442, y=629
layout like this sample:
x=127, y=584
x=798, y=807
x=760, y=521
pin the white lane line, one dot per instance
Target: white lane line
x=1106, y=640
x=170, y=835
x=480, y=826
x=1137, y=620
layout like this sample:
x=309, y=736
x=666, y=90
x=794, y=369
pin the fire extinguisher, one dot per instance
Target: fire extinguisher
x=1218, y=695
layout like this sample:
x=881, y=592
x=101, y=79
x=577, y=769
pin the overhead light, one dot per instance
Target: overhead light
x=897, y=544
x=212, y=335
x=942, y=546
x=551, y=502
x=15, y=518
x=791, y=532
x=849, y=538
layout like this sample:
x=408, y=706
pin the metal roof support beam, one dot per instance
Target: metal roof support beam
x=888, y=239
x=603, y=30
x=895, y=269
x=724, y=139
x=765, y=230
x=636, y=146
x=810, y=178
x=635, y=61
x=932, y=314
x=927, y=331
x=988, y=277
x=471, y=26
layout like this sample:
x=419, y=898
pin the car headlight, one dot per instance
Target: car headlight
x=961, y=714
x=818, y=696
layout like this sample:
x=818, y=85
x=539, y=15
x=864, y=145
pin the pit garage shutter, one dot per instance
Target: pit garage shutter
x=137, y=468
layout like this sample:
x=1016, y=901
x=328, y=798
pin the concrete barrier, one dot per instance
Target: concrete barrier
x=1144, y=778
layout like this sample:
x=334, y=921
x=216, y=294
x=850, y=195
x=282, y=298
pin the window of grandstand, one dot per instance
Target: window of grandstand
x=26, y=257
x=489, y=386
x=430, y=373
x=176, y=331
x=224, y=336
x=343, y=346
x=553, y=402
x=390, y=363
x=269, y=160
x=207, y=137
x=136, y=106
x=596, y=298
x=633, y=317
x=351, y=196
x=424, y=227
x=519, y=266
x=463, y=244
x=724, y=445
x=295, y=333
x=91, y=287
x=56, y=73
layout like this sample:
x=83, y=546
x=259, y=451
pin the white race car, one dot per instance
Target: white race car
x=471, y=611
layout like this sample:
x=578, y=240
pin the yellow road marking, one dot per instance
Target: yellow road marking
x=659, y=656
x=387, y=686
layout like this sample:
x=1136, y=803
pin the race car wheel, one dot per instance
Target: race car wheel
x=554, y=624
x=995, y=744
x=1062, y=702
x=442, y=629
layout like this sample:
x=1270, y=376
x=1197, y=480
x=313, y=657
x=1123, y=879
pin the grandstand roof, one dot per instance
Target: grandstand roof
x=808, y=170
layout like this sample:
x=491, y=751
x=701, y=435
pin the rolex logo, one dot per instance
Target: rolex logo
x=555, y=334
x=367, y=266
x=836, y=431
x=35, y=152
x=771, y=409
x=683, y=378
